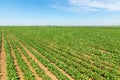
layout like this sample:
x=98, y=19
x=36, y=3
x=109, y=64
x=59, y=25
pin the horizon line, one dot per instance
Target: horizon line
x=61, y=25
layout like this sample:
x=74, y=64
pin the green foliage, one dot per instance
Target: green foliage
x=11, y=71
x=83, y=53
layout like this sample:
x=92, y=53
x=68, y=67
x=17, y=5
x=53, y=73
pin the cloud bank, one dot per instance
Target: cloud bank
x=87, y=5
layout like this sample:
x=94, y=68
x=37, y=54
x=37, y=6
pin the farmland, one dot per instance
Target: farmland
x=59, y=53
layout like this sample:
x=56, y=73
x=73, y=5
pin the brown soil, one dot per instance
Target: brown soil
x=3, y=72
x=87, y=56
x=39, y=63
x=28, y=64
x=19, y=72
x=103, y=51
x=55, y=65
x=30, y=67
x=53, y=77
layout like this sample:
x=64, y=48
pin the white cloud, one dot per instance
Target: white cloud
x=89, y=5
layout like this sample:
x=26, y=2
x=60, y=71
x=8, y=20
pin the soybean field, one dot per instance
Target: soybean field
x=59, y=53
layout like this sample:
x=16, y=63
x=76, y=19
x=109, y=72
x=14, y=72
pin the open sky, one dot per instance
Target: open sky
x=59, y=12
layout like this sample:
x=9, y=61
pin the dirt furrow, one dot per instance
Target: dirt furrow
x=39, y=63
x=3, y=72
x=19, y=72
x=45, y=58
x=54, y=64
x=30, y=67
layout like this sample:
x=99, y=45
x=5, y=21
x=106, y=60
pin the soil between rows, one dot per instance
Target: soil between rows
x=41, y=65
x=3, y=72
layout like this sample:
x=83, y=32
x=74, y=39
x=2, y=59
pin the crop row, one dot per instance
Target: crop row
x=95, y=56
x=103, y=73
x=90, y=55
x=11, y=70
x=48, y=64
x=39, y=71
x=71, y=66
x=23, y=66
x=101, y=62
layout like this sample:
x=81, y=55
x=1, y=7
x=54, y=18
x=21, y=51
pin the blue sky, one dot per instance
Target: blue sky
x=59, y=12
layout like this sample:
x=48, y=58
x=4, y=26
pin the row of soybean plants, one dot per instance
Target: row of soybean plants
x=11, y=70
x=74, y=73
x=38, y=70
x=61, y=48
x=51, y=67
x=98, y=62
x=27, y=74
x=84, y=64
x=106, y=69
x=75, y=38
x=96, y=35
x=103, y=73
x=107, y=74
x=76, y=35
x=107, y=57
x=98, y=38
x=63, y=62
